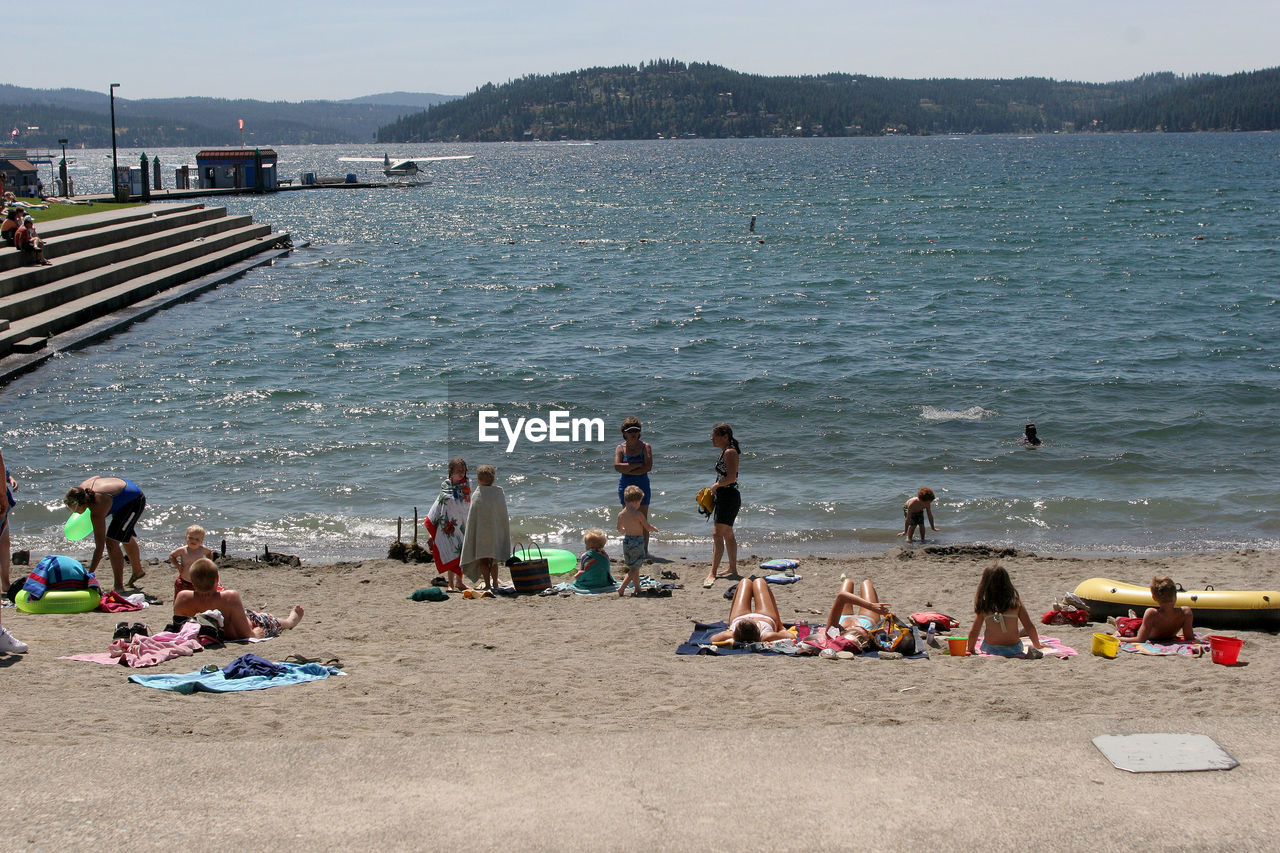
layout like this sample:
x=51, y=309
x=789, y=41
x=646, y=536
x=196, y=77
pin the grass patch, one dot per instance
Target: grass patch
x=64, y=211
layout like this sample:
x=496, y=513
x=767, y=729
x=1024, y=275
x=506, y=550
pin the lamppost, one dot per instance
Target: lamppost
x=115, y=189
x=62, y=168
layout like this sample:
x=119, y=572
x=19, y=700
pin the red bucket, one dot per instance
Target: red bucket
x=1224, y=650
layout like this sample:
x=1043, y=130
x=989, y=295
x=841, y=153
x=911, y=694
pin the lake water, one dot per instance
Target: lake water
x=902, y=309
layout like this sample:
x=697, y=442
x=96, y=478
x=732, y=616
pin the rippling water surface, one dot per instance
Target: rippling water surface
x=902, y=308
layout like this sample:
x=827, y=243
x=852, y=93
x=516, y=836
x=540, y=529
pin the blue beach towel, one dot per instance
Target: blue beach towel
x=217, y=681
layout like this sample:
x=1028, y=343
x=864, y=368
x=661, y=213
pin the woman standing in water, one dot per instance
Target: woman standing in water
x=728, y=502
x=633, y=460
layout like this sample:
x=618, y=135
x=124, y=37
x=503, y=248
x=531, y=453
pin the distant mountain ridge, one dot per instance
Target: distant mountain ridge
x=83, y=116
x=669, y=98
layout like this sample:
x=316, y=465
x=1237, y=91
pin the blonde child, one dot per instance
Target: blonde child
x=593, y=566
x=184, y=557
x=634, y=526
x=1161, y=624
x=487, y=540
x=997, y=613
x=915, y=511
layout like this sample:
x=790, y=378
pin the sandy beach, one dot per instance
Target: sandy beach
x=568, y=723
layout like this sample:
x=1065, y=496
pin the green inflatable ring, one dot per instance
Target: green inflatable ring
x=558, y=560
x=59, y=601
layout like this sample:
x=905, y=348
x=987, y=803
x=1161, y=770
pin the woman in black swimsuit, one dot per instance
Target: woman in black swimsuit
x=728, y=502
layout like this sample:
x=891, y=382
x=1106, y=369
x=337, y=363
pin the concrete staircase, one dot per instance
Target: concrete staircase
x=104, y=263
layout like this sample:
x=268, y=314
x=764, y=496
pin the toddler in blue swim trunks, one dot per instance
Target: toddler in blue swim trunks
x=633, y=526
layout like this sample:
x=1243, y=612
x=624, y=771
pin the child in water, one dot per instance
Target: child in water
x=915, y=511
x=184, y=557
x=997, y=613
x=593, y=566
x=1030, y=438
x=634, y=526
x=1161, y=624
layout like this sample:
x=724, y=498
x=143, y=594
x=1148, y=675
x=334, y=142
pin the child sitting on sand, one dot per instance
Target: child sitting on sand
x=998, y=611
x=593, y=566
x=184, y=557
x=238, y=621
x=633, y=525
x=1161, y=624
x=487, y=540
x=915, y=511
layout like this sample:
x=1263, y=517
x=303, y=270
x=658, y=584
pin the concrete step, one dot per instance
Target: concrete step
x=97, y=303
x=94, y=248
x=50, y=294
x=33, y=278
x=91, y=221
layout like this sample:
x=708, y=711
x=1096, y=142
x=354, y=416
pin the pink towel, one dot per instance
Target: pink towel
x=1052, y=648
x=139, y=651
x=1199, y=647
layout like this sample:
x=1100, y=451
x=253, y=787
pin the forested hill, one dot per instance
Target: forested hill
x=1245, y=101
x=669, y=98
x=42, y=116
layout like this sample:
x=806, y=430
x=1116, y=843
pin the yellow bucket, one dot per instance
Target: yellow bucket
x=1105, y=645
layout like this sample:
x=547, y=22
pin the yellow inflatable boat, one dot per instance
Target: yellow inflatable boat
x=1212, y=608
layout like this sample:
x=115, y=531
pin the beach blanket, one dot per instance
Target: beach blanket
x=488, y=531
x=114, y=602
x=446, y=521
x=1199, y=647
x=577, y=590
x=1053, y=647
x=142, y=651
x=216, y=680
x=699, y=643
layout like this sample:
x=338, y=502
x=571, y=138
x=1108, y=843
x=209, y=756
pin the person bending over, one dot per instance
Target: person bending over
x=123, y=502
x=238, y=621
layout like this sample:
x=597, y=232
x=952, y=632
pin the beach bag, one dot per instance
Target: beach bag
x=530, y=576
x=894, y=636
x=941, y=621
x=706, y=502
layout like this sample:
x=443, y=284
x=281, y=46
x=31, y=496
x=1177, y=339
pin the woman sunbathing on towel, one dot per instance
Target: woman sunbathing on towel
x=754, y=617
x=856, y=625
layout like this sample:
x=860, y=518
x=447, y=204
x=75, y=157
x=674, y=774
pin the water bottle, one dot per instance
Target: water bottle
x=931, y=638
x=802, y=629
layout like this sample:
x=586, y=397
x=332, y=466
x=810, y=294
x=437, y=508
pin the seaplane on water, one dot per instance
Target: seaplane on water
x=403, y=168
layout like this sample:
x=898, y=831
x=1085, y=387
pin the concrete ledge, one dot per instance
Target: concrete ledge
x=33, y=344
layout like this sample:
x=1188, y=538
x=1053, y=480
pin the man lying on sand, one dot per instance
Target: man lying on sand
x=238, y=621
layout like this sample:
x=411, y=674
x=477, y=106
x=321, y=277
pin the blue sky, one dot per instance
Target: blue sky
x=292, y=50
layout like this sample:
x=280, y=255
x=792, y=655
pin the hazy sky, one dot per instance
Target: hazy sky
x=303, y=49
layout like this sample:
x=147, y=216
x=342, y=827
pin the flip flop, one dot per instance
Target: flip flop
x=708, y=583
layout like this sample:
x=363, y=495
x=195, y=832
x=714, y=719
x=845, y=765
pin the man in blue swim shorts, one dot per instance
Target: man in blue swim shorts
x=123, y=502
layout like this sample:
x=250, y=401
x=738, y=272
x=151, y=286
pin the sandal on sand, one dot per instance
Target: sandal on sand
x=708, y=583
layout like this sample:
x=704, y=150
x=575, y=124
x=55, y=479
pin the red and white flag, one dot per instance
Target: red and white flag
x=242, y=124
